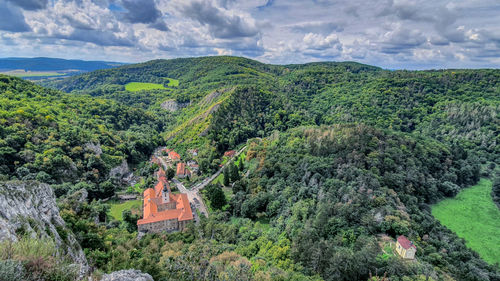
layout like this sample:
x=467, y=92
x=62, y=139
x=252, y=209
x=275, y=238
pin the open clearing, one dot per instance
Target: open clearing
x=173, y=82
x=117, y=208
x=139, y=86
x=472, y=215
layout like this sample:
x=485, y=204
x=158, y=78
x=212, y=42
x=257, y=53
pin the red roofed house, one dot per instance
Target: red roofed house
x=405, y=248
x=229, y=153
x=164, y=211
x=182, y=171
x=172, y=155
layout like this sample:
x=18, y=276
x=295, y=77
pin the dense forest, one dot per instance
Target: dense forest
x=340, y=159
x=69, y=140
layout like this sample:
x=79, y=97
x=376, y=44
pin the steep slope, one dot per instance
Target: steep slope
x=334, y=190
x=28, y=209
x=453, y=105
x=56, y=137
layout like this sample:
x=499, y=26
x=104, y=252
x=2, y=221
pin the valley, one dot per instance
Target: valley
x=295, y=172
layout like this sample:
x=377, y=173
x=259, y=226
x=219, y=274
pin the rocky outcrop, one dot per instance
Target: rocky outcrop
x=172, y=105
x=127, y=275
x=123, y=174
x=213, y=96
x=29, y=208
x=95, y=148
x=119, y=172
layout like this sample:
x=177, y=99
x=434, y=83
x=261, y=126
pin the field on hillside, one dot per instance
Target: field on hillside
x=139, y=86
x=473, y=216
x=117, y=208
x=173, y=82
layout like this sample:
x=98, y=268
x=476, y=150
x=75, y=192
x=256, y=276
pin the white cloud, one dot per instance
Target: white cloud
x=388, y=33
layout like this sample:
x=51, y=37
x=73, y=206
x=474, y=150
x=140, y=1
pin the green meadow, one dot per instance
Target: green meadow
x=172, y=82
x=117, y=208
x=472, y=215
x=139, y=86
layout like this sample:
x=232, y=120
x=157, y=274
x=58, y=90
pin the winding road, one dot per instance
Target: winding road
x=193, y=193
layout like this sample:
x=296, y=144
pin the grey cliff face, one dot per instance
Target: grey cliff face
x=30, y=208
x=127, y=275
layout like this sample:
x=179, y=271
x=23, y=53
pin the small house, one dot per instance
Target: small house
x=229, y=153
x=405, y=248
x=182, y=171
x=173, y=156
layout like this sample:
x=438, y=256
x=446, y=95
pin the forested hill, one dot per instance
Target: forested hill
x=53, y=64
x=340, y=159
x=69, y=140
x=450, y=105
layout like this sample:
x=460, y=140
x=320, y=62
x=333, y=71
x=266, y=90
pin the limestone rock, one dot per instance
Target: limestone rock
x=95, y=148
x=120, y=171
x=127, y=275
x=170, y=105
x=30, y=208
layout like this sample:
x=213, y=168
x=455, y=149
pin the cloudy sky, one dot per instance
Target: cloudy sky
x=387, y=33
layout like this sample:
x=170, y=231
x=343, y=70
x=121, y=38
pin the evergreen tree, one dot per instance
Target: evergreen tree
x=234, y=173
x=170, y=173
x=216, y=196
x=226, y=180
x=241, y=165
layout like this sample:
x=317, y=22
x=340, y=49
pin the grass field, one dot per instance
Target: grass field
x=173, y=82
x=117, y=208
x=472, y=215
x=139, y=86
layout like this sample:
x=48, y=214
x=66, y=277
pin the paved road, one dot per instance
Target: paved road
x=205, y=182
x=193, y=193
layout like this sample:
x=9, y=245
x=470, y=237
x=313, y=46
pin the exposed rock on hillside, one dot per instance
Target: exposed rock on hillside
x=210, y=98
x=127, y=275
x=29, y=208
x=95, y=148
x=172, y=105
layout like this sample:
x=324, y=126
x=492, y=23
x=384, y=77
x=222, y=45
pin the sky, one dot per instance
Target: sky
x=392, y=34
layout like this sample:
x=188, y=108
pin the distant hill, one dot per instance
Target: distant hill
x=39, y=68
x=53, y=64
x=341, y=158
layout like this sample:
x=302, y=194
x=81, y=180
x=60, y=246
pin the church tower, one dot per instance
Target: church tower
x=165, y=194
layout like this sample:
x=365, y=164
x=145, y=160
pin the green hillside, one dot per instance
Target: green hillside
x=139, y=86
x=340, y=159
x=440, y=104
x=66, y=139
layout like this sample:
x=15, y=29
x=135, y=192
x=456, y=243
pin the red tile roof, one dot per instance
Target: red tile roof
x=182, y=211
x=161, y=173
x=174, y=156
x=230, y=153
x=181, y=169
x=405, y=243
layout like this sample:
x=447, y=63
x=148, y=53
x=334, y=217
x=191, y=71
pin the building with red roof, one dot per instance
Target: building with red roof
x=182, y=171
x=230, y=153
x=172, y=155
x=405, y=248
x=163, y=210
